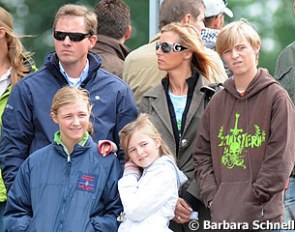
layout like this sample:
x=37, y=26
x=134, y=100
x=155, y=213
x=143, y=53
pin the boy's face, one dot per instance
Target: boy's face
x=241, y=58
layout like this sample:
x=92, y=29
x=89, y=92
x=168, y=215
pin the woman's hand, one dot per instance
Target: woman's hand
x=182, y=211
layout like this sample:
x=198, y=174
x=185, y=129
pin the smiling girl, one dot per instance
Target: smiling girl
x=67, y=185
x=151, y=179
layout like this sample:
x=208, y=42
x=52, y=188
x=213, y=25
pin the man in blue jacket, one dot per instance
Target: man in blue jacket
x=26, y=120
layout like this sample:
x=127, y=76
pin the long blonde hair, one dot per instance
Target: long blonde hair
x=20, y=59
x=202, y=59
x=143, y=124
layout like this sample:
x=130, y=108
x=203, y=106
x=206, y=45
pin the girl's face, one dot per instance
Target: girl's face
x=73, y=121
x=143, y=150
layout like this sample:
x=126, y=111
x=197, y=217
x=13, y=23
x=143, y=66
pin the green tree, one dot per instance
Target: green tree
x=274, y=21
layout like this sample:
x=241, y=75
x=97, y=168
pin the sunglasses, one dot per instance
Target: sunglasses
x=75, y=37
x=167, y=47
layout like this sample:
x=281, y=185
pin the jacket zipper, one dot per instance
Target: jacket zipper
x=66, y=191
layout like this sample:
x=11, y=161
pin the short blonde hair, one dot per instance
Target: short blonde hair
x=232, y=32
x=68, y=95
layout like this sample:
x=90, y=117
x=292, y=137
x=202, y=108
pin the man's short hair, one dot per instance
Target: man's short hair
x=78, y=10
x=113, y=17
x=175, y=10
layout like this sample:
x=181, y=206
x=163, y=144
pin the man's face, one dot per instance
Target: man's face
x=73, y=52
x=199, y=21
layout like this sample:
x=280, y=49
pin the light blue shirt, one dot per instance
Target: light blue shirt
x=82, y=77
x=179, y=103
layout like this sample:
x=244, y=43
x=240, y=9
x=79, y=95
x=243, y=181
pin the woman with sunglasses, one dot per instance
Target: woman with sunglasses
x=15, y=63
x=176, y=106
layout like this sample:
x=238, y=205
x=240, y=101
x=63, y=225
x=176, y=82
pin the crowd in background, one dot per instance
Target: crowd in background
x=194, y=128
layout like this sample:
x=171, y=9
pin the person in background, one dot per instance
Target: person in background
x=214, y=13
x=243, y=158
x=67, y=185
x=176, y=105
x=141, y=69
x=27, y=125
x=15, y=63
x=214, y=22
x=113, y=29
x=151, y=179
x=285, y=74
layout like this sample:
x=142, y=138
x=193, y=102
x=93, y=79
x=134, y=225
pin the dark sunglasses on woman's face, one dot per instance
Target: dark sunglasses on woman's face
x=75, y=37
x=167, y=47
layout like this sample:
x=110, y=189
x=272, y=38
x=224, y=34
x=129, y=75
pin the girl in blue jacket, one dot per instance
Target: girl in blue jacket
x=67, y=185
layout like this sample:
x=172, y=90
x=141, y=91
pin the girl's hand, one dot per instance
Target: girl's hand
x=131, y=168
x=105, y=147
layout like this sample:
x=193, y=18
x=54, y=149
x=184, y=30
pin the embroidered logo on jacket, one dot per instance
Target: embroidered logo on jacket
x=236, y=144
x=86, y=182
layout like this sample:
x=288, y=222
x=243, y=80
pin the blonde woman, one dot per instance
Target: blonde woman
x=176, y=105
x=15, y=63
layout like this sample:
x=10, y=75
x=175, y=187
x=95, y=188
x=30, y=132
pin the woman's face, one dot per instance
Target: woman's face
x=175, y=54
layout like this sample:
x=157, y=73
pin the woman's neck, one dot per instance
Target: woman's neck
x=177, y=82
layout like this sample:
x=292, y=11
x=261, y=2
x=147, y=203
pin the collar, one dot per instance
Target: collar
x=82, y=77
x=58, y=141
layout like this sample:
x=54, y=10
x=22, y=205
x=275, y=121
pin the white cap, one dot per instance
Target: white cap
x=215, y=7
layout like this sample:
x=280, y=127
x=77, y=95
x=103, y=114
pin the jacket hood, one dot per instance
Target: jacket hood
x=163, y=160
x=262, y=80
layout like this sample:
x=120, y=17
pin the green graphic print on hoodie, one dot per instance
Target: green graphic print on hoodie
x=245, y=150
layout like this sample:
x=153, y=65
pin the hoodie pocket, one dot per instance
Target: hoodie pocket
x=235, y=202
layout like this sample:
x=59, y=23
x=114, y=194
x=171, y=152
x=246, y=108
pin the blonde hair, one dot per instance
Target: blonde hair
x=68, y=95
x=78, y=10
x=17, y=54
x=190, y=38
x=232, y=32
x=143, y=124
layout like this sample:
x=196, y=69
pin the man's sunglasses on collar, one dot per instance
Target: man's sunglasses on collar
x=74, y=36
x=167, y=47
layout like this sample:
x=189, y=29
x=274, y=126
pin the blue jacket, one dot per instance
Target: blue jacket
x=53, y=194
x=27, y=125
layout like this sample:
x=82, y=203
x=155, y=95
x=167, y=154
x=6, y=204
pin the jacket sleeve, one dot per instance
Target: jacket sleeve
x=204, y=172
x=17, y=133
x=141, y=201
x=18, y=212
x=126, y=112
x=280, y=149
x=105, y=218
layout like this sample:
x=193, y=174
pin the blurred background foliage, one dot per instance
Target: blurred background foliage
x=273, y=19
